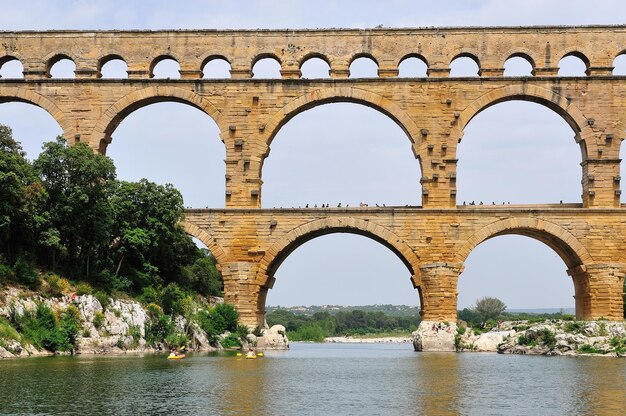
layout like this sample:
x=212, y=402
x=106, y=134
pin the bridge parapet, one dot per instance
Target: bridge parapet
x=489, y=47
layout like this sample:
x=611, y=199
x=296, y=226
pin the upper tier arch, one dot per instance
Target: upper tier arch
x=344, y=94
x=9, y=94
x=146, y=96
x=559, y=104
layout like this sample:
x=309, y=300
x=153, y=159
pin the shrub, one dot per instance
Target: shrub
x=618, y=344
x=225, y=317
x=308, y=332
x=524, y=340
x=573, y=327
x=86, y=333
x=257, y=331
x=40, y=327
x=175, y=340
x=25, y=273
x=549, y=338
x=242, y=331
x=98, y=319
x=587, y=349
x=154, y=310
x=231, y=341
x=135, y=333
x=7, y=331
x=83, y=288
x=460, y=330
x=602, y=329
x=6, y=272
x=57, y=285
x=103, y=298
x=149, y=294
x=159, y=327
x=172, y=299
x=69, y=326
x=206, y=324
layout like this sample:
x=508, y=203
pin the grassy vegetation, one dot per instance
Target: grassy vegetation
x=46, y=329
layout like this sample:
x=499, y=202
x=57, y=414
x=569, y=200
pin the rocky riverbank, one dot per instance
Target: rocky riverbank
x=118, y=328
x=549, y=337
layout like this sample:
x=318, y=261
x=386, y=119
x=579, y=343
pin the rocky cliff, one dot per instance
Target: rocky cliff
x=120, y=327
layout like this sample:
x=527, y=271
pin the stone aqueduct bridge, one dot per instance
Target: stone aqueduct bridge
x=433, y=240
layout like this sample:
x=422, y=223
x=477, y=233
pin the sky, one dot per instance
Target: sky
x=345, y=152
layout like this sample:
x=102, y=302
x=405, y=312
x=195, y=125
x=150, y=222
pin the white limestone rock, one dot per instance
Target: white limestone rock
x=273, y=338
x=434, y=336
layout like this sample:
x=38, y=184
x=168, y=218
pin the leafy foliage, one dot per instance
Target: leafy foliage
x=67, y=213
x=43, y=329
x=489, y=308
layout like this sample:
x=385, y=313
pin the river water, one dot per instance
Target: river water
x=316, y=379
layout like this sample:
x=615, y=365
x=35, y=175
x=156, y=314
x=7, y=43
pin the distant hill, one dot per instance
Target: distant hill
x=391, y=310
x=394, y=310
x=570, y=311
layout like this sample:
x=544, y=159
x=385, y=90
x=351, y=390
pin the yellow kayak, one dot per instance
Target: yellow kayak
x=176, y=356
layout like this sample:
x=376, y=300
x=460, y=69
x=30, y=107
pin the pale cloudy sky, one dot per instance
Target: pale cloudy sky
x=497, y=158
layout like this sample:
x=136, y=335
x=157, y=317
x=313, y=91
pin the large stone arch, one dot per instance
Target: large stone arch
x=215, y=249
x=114, y=115
x=14, y=94
x=285, y=245
x=572, y=252
x=548, y=98
x=337, y=94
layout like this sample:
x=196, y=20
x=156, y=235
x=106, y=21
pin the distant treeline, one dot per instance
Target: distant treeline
x=320, y=325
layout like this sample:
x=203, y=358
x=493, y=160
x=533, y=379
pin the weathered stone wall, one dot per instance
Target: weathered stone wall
x=433, y=241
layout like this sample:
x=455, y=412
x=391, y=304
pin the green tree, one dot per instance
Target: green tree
x=202, y=276
x=489, y=308
x=79, y=183
x=21, y=198
x=150, y=247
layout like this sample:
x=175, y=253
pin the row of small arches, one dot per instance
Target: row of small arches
x=465, y=65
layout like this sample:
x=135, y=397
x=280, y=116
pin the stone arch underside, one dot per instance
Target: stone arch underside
x=571, y=251
x=216, y=250
x=293, y=239
x=347, y=95
x=135, y=100
x=13, y=94
x=548, y=98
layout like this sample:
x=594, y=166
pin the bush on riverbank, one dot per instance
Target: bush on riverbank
x=44, y=329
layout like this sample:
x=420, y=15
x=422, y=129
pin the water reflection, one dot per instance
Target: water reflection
x=316, y=379
x=436, y=377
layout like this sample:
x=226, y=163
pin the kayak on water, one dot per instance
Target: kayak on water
x=174, y=356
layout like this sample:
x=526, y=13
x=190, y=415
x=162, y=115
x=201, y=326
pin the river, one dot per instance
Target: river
x=316, y=379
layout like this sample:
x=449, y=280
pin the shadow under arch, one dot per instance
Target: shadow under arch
x=13, y=94
x=135, y=100
x=216, y=250
x=547, y=98
x=344, y=95
x=289, y=242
